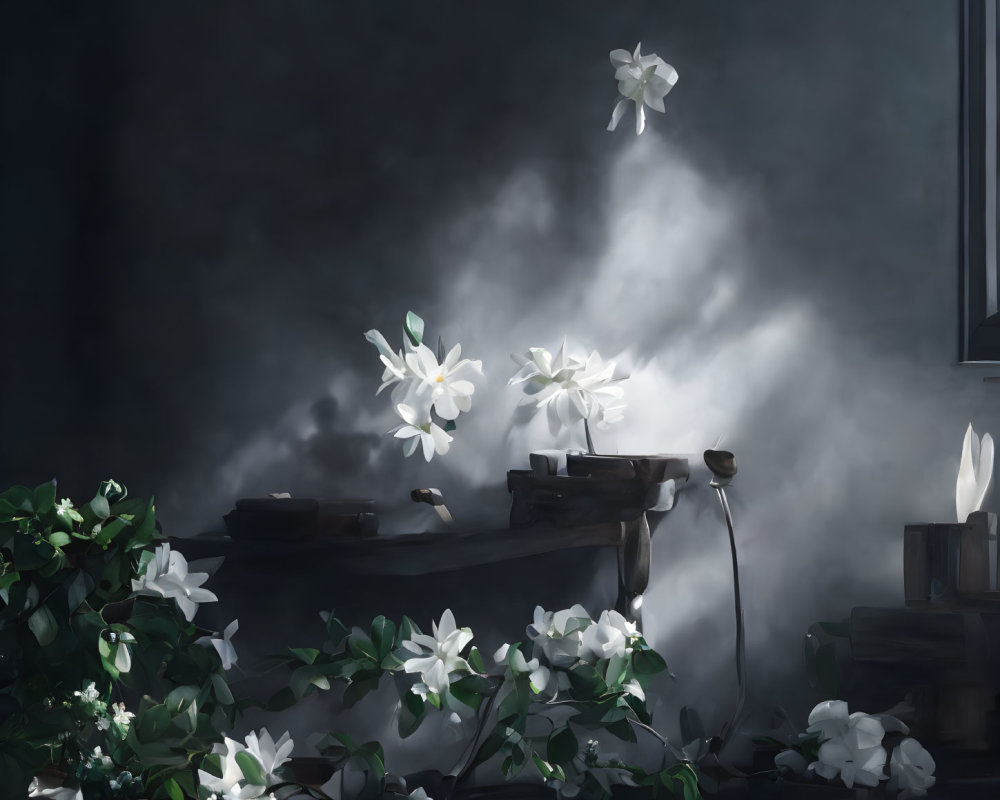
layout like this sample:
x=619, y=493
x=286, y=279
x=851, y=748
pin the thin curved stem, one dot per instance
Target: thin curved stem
x=590, y=442
x=667, y=744
x=741, y=690
x=474, y=745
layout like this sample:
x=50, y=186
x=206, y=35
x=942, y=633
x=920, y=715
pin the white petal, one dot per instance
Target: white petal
x=618, y=113
x=640, y=118
x=441, y=441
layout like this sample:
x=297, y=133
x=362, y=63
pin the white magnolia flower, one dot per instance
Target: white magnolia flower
x=570, y=389
x=89, y=694
x=51, y=787
x=517, y=664
x=120, y=715
x=422, y=432
x=395, y=362
x=557, y=634
x=851, y=745
x=166, y=575
x=643, y=80
x=269, y=753
x=974, y=473
x=223, y=646
x=445, y=386
x=911, y=770
x=444, y=647
x=228, y=785
x=611, y=636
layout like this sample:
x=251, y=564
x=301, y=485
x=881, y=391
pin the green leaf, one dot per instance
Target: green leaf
x=489, y=747
x=44, y=498
x=362, y=683
x=305, y=654
x=173, y=789
x=9, y=579
x=476, y=660
x=59, y=539
x=647, y=662
x=414, y=328
x=43, y=624
x=362, y=647
x=111, y=529
x=99, y=506
x=411, y=714
x=251, y=769
x=450, y=426
x=622, y=729
x=586, y=682
x=383, y=636
x=562, y=745
x=77, y=591
x=222, y=690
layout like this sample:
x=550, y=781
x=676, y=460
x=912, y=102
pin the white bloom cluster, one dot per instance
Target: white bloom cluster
x=569, y=388
x=166, y=575
x=851, y=748
x=425, y=390
x=643, y=80
x=232, y=784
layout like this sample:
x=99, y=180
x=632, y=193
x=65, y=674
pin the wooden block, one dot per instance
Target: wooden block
x=974, y=555
x=909, y=637
x=916, y=567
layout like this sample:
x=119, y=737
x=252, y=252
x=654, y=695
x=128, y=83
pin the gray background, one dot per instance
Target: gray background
x=204, y=206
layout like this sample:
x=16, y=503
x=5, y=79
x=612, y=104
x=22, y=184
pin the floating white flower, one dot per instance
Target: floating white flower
x=223, y=646
x=607, y=638
x=569, y=388
x=420, y=432
x=444, y=386
x=269, y=753
x=911, y=770
x=438, y=656
x=166, y=575
x=974, y=473
x=64, y=508
x=851, y=746
x=557, y=634
x=643, y=80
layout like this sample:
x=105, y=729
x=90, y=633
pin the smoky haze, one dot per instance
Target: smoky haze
x=206, y=207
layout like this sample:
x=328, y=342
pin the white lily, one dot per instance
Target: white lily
x=445, y=386
x=911, y=770
x=424, y=432
x=223, y=646
x=571, y=389
x=974, y=473
x=166, y=575
x=643, y=80
x=557, y=634
x=852, y=748
x=438, y=656
x=517, y=664
x=269, y=753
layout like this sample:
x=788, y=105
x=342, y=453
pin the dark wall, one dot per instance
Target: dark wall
x=205, y=205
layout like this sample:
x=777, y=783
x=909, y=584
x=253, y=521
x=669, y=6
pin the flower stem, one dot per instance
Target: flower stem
x=590, y=442
x=741, y=691
x=667, y=745
x=472, y=749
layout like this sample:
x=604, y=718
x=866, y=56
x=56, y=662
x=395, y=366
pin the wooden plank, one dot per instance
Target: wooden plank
x=407, y=554
x=916, y=567
x=908, y=636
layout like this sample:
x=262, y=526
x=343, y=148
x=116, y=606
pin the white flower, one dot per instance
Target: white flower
x=644, y=80
x=911, y=770
x=223, y=646
x=89, y=694
x=557, y=634
x=419, y=794
x=166, y=575
x=517, y=664
x=269, y=753
x=974, y=473
x=395, y=363
x=569, y=388
x=120, y=654
x=120, y=715
x=102, y=723
x=445, y=646
x=51, y=788
x=851, y=745
x=228, y=784
x=98, y=757
x=445, y=386
x=609, y=637
x=419, y=431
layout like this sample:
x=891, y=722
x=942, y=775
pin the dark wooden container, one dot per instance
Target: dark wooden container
x=300, y=519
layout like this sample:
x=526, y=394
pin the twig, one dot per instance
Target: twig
x=590, y=442
x=473, y=746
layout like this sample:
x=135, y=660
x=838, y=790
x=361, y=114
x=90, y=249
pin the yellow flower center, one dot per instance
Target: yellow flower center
x=439, y=379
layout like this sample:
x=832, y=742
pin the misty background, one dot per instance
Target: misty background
x=204, y=206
